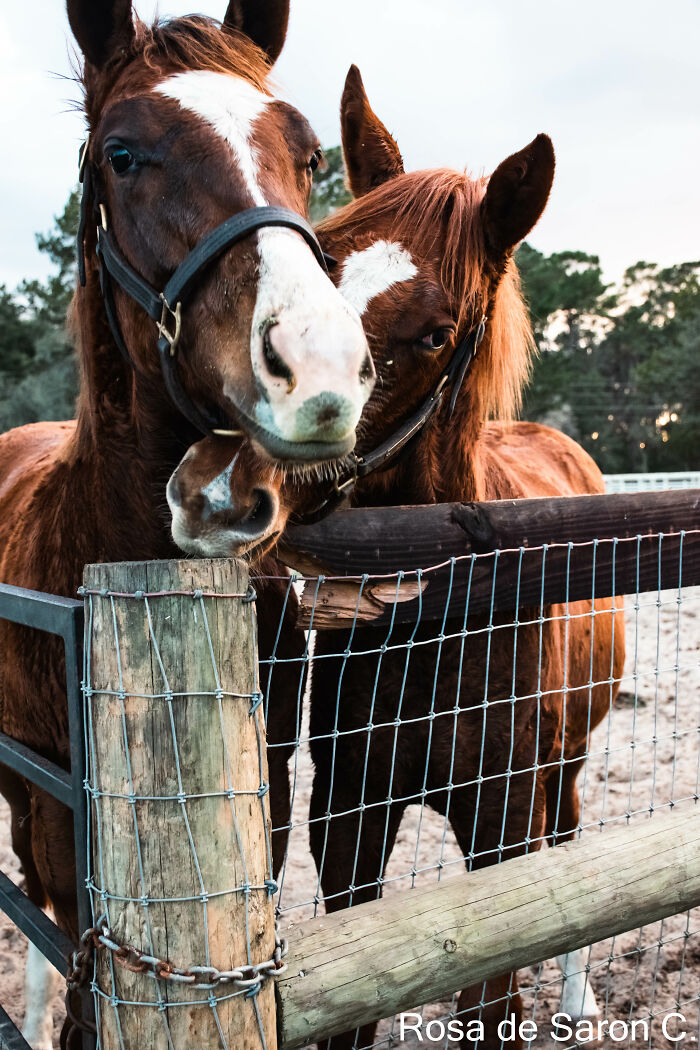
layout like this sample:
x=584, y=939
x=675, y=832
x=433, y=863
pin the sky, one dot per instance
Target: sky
x=459, y=83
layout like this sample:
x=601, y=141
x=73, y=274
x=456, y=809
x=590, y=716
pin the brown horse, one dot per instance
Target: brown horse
x=423, y=257
x=186, y=139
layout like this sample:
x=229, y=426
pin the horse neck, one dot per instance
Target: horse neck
x=443, y=466
x=126, y=443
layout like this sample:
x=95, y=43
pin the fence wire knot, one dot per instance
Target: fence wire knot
x=248, y=977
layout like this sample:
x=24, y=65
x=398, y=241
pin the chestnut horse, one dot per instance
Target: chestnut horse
x=424, y=257
x=199, y=179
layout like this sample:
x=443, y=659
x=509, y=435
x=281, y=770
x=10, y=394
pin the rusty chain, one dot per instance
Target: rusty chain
x=248, y=977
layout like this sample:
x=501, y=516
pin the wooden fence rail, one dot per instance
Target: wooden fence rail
x=528, y=552
x=381, y=958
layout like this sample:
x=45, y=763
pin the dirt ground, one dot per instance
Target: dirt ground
x=643, y=757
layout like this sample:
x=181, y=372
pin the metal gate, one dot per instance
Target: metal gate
x=62, y=617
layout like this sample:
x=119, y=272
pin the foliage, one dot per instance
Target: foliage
x=616, y=365
x=16, y=337
x=329, y=191
x=50, y=300
x=37, y=367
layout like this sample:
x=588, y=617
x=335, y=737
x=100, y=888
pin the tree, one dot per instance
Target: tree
x=35, y=352
x=568, y=303
x=50, y=300
x=17, y=337
x=329, y=191
x=616, y=369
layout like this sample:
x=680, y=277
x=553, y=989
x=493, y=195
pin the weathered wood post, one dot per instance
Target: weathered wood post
x=180, y=815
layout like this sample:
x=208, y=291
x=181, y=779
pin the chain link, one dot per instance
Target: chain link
x=246, y=978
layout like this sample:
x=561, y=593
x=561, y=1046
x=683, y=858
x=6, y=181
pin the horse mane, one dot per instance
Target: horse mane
x=442, y=209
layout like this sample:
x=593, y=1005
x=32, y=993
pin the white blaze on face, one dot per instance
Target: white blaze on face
x=316, y=333
x=374, y=270
x=231, y=105
x=217, y=494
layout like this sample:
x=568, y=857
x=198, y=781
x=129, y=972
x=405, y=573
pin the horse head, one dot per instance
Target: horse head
x=198, y=179
x=425, y=258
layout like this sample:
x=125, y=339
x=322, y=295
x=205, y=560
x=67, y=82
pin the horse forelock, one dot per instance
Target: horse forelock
x=171, y=46
x=436, y=215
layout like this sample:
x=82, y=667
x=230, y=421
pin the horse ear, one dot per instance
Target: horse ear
x=101, y=27
x=516, y=195
x=264, y=21
x=371, y=154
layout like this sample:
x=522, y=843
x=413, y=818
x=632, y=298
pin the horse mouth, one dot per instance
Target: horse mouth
x=288, y=453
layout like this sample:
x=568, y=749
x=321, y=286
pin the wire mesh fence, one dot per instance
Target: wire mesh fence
x=414, y=750
x=181, y=878
x=399, y=754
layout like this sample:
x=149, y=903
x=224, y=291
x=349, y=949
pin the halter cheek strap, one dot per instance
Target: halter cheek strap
x=401, y=440
x=166, y=307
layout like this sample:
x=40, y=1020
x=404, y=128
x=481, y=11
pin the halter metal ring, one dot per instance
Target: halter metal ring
x=173, y=338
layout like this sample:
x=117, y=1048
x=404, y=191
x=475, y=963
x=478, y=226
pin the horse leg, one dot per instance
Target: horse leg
x=54, y=856
x=478, y=831
x=492, y=1002
x=349, y=851
x=41, y=982
x=282, y=683
x=40, y=978
x=15, y=790
x=53, y=851
x=563, y=812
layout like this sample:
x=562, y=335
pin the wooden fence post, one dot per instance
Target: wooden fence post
x=179, y=811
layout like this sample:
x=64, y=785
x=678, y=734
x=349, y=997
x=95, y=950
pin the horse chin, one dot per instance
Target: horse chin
x=225, y=543
x=294, y=454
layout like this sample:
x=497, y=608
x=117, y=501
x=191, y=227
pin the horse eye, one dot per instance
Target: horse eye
x=315, y=160
x=121, y=160
x=435, y=340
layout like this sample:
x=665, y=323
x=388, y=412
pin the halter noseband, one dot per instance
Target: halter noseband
x=165, y=308
x=381, y=457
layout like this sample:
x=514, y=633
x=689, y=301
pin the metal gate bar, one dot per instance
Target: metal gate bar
x=35, y=924
x=42, y=772
x=64, y=618
x=10, y=1036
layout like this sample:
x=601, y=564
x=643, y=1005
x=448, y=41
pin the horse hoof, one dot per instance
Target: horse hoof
x=588, y=1028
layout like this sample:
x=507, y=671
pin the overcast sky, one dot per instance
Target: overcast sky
x=458, y=82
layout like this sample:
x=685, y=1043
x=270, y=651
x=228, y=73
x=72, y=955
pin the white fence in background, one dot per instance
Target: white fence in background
x=679, y=479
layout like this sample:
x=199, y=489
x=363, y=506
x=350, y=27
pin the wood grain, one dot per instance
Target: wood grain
x=156, y=748
x=381, y=958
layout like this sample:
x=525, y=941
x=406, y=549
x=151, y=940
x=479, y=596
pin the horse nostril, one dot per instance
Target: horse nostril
x=367, y=372
x=173, y=492
x=275, y=365
x=257, y=521
x=327, y=415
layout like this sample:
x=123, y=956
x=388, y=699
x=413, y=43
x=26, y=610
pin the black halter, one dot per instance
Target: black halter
x=400, y=441
x=165, y=307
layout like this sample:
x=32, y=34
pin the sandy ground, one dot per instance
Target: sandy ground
x=643, y=757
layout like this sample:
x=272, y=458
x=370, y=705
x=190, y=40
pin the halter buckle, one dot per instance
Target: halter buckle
x=172, y=338
x=440, y=387
x=480, y=332
x=348, y=483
